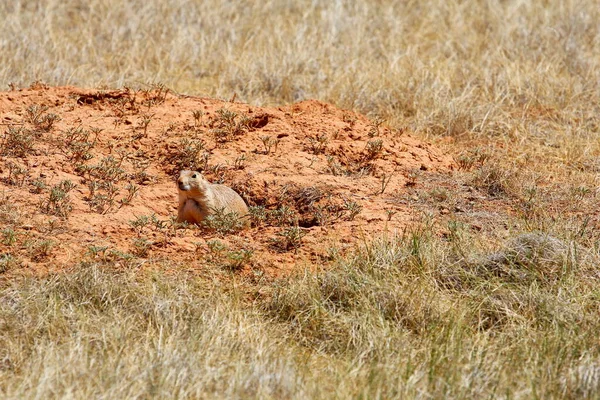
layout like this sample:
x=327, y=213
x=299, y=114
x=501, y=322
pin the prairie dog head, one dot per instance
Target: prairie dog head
x=191, y=184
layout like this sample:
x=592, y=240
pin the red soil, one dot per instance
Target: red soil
x=325, y=159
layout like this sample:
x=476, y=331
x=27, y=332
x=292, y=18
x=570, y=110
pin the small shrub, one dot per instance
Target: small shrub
x=353, y=209
x=103, y=185
x=97, y=251
x=390, y=213
x=132, y=190
x=334, y=166
x=470, y=158
x=140, y=176
x=326, y=214
x=374, y=128
x=109, y=169
x=187, y=155
x=289, y=238
x=216, y=249
x=411, y=177
x=102, y=196
x=223, y=222
x=257, y=215
x=17, y=174
x=237, y=259
x=9, y=236
x=318, y=144
x=269, y=143
x=39, y=185
x=58, y=202
x=35, y=115
x=9, y=213
x=240, y=162
x=439, y=194
x=385, y=181
x=40, y=249
x=283, y=216
x=495, y=180
x=139, y=223
x=228, y=124
x=143, y=124
x=17, y=142
x=141, y=247
x=76, y=143
x=8, y=262
x=156, y=94
x=197, y=114
x=373, y=149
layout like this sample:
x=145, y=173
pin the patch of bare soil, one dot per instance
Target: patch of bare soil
x=91, y=174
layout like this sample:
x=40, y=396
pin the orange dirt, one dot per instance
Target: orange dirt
x=315, y=159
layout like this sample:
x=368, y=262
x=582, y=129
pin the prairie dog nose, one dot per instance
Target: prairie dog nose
x=182, y=185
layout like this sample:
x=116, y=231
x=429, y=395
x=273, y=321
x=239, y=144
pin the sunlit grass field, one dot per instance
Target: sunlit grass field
x=510, y=88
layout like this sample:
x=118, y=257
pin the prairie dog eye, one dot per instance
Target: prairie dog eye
x=194, y=176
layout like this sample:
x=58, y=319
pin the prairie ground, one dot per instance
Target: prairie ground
x=427, y=227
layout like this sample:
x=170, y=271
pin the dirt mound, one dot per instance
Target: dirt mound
x=91, y=174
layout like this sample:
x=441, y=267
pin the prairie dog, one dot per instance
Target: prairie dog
x=198, y=198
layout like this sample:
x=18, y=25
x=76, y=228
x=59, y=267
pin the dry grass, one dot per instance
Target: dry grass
x=411, y=316
x=101, y=334
x=399, y=318
x=525, y=74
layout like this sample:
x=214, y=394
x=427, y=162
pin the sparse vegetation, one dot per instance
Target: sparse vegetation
x=39, y=250
x=257, y=215
x=373, y=149
x=76, y=143
x=58, y=201
x=353, y=209
x=318, y=144
x=487, y=289
x=269, y=143
x=197, y=114
x=147, y=226
x=227, y=124
x=9, y=236
x=17, y=174
x=385, y=181
x=223, y=222
x=143, y=125
x=17, y=141
x=289, y=238
x=189, y=154
x=495, y=179
x=230, y=259
x=36, y=115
